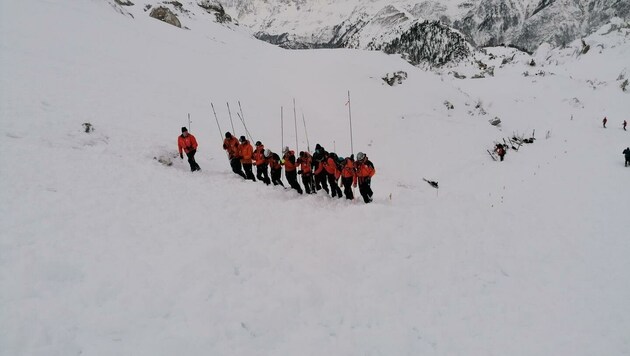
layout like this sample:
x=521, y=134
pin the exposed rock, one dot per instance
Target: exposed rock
x=123, y=2
x=215, y=7
x=429, y=42
x=164, y=14
x=395, y=78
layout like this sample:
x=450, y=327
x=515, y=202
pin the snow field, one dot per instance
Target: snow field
x=105, y=251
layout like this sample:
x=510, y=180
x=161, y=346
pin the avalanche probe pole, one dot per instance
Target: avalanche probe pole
x=308, y=145
x=219, y=126
x=189, y=121
x=297, y=147
x=231, y=122
x=282, y=127
x=217, y=120
x=351, y=143
x=350, y=117
x=242, y=117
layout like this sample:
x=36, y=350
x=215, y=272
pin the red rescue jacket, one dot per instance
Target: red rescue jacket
x=231, y=146
x=305, y=163
x=245, y=152
x=187, y=143
x=289, y=161
x=259, y=155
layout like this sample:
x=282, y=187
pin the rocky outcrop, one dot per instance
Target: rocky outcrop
x=165, y=14
x=215, y=7
x=429, y=42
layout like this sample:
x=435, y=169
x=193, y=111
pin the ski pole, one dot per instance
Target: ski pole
x=282, y=127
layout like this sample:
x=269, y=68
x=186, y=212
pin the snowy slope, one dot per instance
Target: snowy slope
x=105, y=251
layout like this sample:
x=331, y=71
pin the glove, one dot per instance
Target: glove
x=299, y=172
x=181, y=155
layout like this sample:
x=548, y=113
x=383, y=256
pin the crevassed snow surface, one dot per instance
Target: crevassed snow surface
x=104, y=251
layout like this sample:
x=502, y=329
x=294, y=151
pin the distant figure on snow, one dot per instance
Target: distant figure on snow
x=604, y=121
x=626, y=152
x=500, y=150
x=625, y=123
x=187, y=143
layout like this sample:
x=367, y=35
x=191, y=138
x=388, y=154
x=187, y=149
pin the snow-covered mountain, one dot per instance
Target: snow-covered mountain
x=109, y=245
x=525, y=24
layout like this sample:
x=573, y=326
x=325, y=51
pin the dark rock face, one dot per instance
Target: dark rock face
x=213, y=6
x=166, y=15
x=429, y=42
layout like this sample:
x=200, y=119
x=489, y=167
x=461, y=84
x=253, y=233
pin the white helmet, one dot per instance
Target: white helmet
x=267, y=153
x=360, y=156
x=285, y=150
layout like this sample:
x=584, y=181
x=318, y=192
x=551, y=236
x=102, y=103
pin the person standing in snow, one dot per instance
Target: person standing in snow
x=333, y=172
x=245, y=152
x=230, y=144
x=187, y=143
x=290, y=166
x=319, y=157
x=500, y=150
x=261, y=163
x=276, y=167
x=306, y=171
x=625, y=123
x=626, y=152
x=348, y=177
x=365, y=171
x=604, y=121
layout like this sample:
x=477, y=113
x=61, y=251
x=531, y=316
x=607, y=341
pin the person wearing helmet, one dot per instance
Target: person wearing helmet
x=230, y=144
x=365, y=171
x=276, y=167
x=290, y=166
x=261, y=163
x=187, y=143
x=246, y=151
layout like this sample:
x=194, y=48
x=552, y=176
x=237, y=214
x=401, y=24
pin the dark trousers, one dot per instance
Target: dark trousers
x=365, y=189
x=191, y=160
x=261, y=173
x=320, y=181
x=292, y=179
x=627, y=162
x=501, y=157
x=347, y=187
x=334, y=187
x=307, y=180
x=236, y=167
x=275, y=177
x=249, y=174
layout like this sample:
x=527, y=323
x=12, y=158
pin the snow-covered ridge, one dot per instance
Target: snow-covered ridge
x=525, y=24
